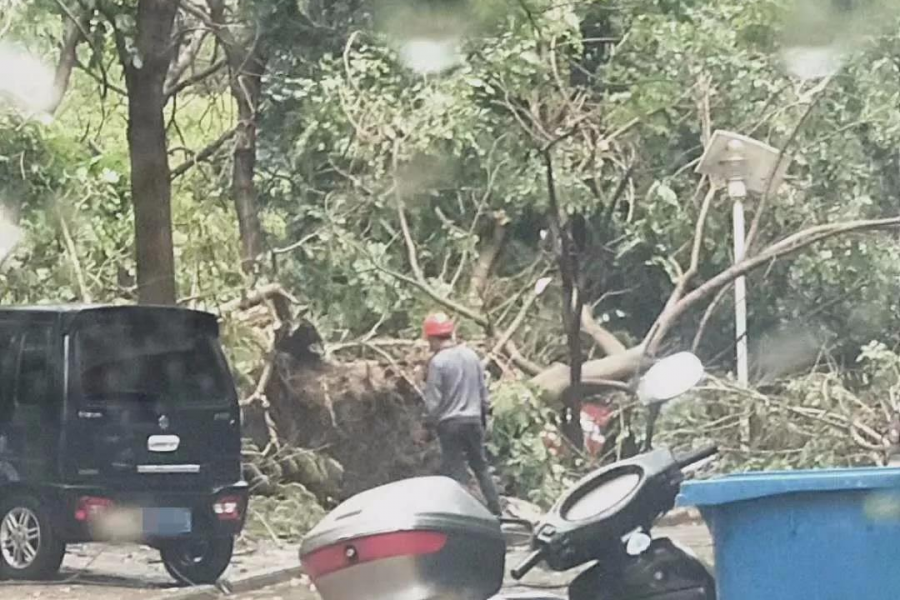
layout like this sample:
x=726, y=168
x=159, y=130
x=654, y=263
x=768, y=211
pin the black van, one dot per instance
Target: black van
x=117, y=423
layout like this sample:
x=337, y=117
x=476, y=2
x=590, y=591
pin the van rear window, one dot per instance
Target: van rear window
x=118, y=362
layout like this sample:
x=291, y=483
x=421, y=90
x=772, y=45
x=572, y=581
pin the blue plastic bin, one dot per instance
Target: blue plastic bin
x=803, y=535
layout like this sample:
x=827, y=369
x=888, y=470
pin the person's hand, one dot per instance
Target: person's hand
x=487, y=418
x=488, y=432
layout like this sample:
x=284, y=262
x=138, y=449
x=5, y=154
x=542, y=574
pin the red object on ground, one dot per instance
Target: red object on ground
x=594, y=420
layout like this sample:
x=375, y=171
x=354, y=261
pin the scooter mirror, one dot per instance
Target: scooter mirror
x=670, y=377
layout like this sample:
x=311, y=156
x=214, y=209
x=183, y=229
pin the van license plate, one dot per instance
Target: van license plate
x=166, y=521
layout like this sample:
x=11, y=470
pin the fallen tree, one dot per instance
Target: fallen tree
x=623, y=363
x=548, y=120
x=620, y=362
x=373, y=401
x=364, y=412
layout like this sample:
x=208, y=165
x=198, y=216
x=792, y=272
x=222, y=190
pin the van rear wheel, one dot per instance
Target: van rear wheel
x=197, y=561
x=29, y=548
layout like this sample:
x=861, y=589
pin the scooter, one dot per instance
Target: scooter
x=607, y=518
x=426, y=538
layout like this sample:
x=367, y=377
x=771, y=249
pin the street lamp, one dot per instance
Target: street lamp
x=741, y=165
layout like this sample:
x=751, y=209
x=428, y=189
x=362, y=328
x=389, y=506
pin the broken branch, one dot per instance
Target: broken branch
x=707, y=316
x=203, y=154
x=425, y=288
x=789, y=245
x=412, y=253
x=183, y=84
x=258, y=296
x=185, y=59
x=72, y=251
x=605, y=340
x=529, y=367
x=686, y=277
x=513, y=327
x=75, y=32
x=815, y=95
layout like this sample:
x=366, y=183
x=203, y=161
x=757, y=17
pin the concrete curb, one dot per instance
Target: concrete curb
x=226, y=587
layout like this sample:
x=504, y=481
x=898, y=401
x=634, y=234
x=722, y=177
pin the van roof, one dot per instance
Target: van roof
x=71, y=312
x=75, y=307
x=59, y=308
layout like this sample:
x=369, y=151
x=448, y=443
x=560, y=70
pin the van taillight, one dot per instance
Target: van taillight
x=367, y=549
x=228, y=508
x=90, y=506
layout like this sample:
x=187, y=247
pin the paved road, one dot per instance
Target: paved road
x=695, y=537
x=128, y=572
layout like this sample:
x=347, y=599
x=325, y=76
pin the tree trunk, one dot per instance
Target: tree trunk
x=246, y=87
x=75, y=26
x=246, y=64
x=567, y=257
x=608, y=343
x=151, y=192
x=555, y=380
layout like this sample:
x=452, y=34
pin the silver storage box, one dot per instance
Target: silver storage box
x=424, y=538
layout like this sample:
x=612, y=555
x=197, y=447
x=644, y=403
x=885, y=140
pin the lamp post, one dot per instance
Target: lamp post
x=733, y=167
x=741, y=165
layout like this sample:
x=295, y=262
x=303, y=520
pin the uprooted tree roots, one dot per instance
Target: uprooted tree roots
x=363, y=414
x=354, y=420
x=319, y=431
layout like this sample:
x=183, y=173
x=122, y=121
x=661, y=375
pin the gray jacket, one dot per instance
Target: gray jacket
x=456, y=387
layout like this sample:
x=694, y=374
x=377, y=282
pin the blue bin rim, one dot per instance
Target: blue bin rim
x=761, y=484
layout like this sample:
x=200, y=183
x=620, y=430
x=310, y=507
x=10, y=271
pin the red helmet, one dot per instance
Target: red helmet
x=437, y=325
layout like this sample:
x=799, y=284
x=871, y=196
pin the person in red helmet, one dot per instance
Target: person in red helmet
x=456, y=397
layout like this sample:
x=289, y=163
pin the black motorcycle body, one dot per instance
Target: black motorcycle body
x=663, y=572
x=595, y=521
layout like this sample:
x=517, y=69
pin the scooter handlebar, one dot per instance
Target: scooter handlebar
x=530, y=562
x=696, y=456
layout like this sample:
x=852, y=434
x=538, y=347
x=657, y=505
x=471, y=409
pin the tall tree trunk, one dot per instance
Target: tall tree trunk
x=567, y=255
x=247, y=71
x=151, y=191
x=247, y=64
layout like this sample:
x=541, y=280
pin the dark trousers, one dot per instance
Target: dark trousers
x=462, y=442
